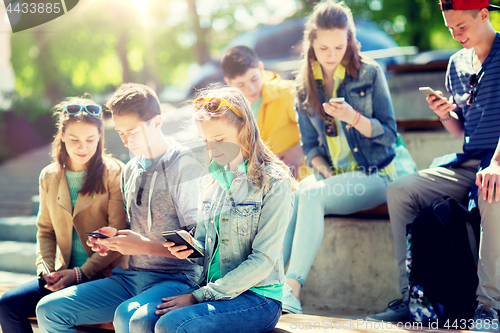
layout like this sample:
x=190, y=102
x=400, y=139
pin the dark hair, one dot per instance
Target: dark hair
x=327, y=15
x=238, y=60
x=134, y=98
x=93, y=183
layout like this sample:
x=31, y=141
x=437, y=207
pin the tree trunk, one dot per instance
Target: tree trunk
x=122, y=54
x=202, y=55
x=47, y=68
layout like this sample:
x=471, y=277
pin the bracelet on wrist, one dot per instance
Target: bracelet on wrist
x=358, y=117
x=78, y=273
x=445, y=119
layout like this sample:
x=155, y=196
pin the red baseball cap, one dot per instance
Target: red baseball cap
x=468, y=5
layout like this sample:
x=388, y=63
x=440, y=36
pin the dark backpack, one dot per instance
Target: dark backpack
x=442, y=252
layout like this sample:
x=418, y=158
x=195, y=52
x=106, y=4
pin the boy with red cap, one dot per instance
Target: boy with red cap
x=472, y=112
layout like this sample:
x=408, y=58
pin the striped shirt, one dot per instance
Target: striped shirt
x=481, y=119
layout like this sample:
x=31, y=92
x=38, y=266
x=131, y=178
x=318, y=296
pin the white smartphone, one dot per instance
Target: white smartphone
x=429, y=92
x=336, y=100
x=46, y=268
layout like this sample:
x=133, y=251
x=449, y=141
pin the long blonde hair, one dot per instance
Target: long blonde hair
x=252, y=147
x=327, y=15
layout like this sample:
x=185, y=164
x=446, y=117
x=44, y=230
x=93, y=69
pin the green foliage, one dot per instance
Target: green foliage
x=99, y=44
x=30, y=107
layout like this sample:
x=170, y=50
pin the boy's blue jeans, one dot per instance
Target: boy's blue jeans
x=116, y=298
x=246, y=313
x=342, y=194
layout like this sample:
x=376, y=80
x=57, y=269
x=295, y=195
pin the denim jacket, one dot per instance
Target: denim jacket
x=251, y=233
x=368, y=94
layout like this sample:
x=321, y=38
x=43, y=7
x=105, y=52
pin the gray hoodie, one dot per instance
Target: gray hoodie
x=162, y=197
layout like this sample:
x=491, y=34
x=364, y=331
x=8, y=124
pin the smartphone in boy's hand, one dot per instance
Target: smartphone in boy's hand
x=179, y=239
x=430, y=92
x=96, y=235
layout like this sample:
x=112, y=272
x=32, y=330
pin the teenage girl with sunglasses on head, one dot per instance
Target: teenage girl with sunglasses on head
x=245, y=207
x=348, y=143
x=79, y=193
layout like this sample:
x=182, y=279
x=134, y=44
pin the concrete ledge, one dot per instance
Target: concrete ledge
x=355, y=268
x=18, y=257
x=19, y=228
x=10, y=278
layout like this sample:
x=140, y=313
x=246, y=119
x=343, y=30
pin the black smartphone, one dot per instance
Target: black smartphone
x=96, y=235
x=178, y=239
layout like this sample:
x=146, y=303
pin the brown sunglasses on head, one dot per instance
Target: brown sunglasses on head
x=213, y=104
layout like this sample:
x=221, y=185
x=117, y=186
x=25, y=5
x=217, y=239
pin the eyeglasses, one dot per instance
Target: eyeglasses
x=213, y=104
x=74, y=109
x=330, y=127
x=472, y=83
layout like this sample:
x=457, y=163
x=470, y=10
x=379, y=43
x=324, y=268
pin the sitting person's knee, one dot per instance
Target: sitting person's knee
x=143, y=319
x=122, y=316
x=170, y=322
x=7, y=305
x=399, y=188
x=46, y=307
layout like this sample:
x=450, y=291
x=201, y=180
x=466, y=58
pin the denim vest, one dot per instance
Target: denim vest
x=251, y=233
x=368, y=94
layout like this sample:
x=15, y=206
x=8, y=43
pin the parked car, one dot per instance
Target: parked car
x=279, y=48
x=433, y=56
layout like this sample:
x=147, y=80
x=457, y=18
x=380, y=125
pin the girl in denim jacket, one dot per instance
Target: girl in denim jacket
x=245, y=208
x=348, y=142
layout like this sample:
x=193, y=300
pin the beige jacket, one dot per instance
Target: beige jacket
x=56, y=219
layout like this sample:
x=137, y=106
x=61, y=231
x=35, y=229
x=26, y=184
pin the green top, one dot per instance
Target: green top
x=274, y=291
x=75, y=181
x=256, y=106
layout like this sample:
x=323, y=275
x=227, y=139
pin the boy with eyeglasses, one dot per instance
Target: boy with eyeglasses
x=272, y=100
x=472, y=112
x=160, y=187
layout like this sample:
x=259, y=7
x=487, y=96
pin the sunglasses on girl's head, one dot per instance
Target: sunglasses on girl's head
x=213, y=104
x=472, y=83
x=74, y=109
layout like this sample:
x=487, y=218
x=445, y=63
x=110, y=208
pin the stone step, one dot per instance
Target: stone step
x=18, y=228
x=18, y=257
x=355, y=268
x=11, y=278
x=35, y=204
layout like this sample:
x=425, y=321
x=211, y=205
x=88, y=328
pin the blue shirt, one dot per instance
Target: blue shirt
x=481, y=119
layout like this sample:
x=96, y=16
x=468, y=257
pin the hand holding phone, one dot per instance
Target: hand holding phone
x=179, y=239
x=430, y=92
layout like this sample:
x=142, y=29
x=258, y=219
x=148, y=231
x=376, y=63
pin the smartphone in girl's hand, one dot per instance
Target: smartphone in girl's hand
x=46, y=268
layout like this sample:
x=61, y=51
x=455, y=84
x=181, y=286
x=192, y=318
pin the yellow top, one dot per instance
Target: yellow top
x=277, y=119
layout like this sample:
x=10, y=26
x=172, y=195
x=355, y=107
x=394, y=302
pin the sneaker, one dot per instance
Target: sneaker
x=396, y=311
x=290, y=303
x=485, y=319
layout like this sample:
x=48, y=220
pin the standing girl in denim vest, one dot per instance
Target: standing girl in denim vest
x=79, y=193
x=246, y=205
x=348, y=143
